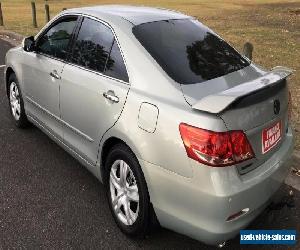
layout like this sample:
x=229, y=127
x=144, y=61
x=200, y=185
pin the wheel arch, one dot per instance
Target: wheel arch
x=107, y=145
x=9, y=71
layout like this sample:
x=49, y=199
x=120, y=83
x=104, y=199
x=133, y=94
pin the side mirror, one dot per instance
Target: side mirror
x=28, y=44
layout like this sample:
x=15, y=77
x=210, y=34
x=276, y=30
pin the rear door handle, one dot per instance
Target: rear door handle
x=110, y=95
x=55, y=75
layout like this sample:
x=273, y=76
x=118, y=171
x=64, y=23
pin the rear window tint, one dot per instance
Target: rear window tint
x=115, y=66
x=188, y=51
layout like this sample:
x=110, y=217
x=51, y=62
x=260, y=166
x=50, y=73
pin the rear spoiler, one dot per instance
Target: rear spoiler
x=218, y=102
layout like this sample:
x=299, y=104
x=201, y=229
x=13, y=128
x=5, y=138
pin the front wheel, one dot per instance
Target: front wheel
x=16, y=102
x=127, y=192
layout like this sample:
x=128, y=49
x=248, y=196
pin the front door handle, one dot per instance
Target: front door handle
x=55, y=75
x=110, y=95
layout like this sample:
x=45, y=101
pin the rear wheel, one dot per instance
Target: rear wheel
x=127, y=192
x=16, y=102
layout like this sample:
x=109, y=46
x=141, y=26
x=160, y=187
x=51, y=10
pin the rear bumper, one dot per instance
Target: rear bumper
x=199, y=206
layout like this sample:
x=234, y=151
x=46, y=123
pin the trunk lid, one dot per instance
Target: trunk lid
x=251, y=100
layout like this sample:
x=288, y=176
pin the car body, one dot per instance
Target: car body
x=155, y=103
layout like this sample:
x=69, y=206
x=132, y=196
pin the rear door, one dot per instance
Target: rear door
x=93, y=89
x=41, y=73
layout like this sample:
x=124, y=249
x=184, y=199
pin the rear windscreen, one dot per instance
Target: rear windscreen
x=188, y=51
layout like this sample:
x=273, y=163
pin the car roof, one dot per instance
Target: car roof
x=133, y=14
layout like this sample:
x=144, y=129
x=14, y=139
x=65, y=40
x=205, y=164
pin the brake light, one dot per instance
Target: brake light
x=215, y=149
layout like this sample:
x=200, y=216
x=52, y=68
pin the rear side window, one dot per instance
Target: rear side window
x=188, y=51
x=93, y=45
x=115, y=66
x=56, y=40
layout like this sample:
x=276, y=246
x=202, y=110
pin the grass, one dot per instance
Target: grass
x=272, y=26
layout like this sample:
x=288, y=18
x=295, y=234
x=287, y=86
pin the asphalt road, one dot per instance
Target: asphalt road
x=48, y=200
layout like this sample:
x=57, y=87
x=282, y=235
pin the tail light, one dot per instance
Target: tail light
x=290, y=106
x=215, y=149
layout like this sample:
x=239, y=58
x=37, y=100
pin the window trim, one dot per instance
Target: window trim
x=76, y=30
x=115, y=38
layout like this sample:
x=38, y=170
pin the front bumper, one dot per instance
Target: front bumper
x=199, y=206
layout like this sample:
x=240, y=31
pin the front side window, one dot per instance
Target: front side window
x=188, y=51
x=93, y=45
x=56, y=40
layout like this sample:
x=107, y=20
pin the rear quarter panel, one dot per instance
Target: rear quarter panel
x=163, y=147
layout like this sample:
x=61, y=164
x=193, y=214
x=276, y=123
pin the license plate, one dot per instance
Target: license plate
x=271, y=136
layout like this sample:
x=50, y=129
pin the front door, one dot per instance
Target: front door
x=41, y=74
x=93, y=88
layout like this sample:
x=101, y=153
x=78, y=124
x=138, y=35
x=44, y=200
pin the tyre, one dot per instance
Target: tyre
x=16, y=102
x=127, y=192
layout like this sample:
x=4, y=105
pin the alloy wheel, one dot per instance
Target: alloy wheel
x=124, y=192
x=15, y=102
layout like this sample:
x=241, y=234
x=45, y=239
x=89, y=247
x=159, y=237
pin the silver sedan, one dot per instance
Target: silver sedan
x=181, y=128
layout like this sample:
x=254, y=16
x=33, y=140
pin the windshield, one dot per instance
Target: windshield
x=188, y=51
